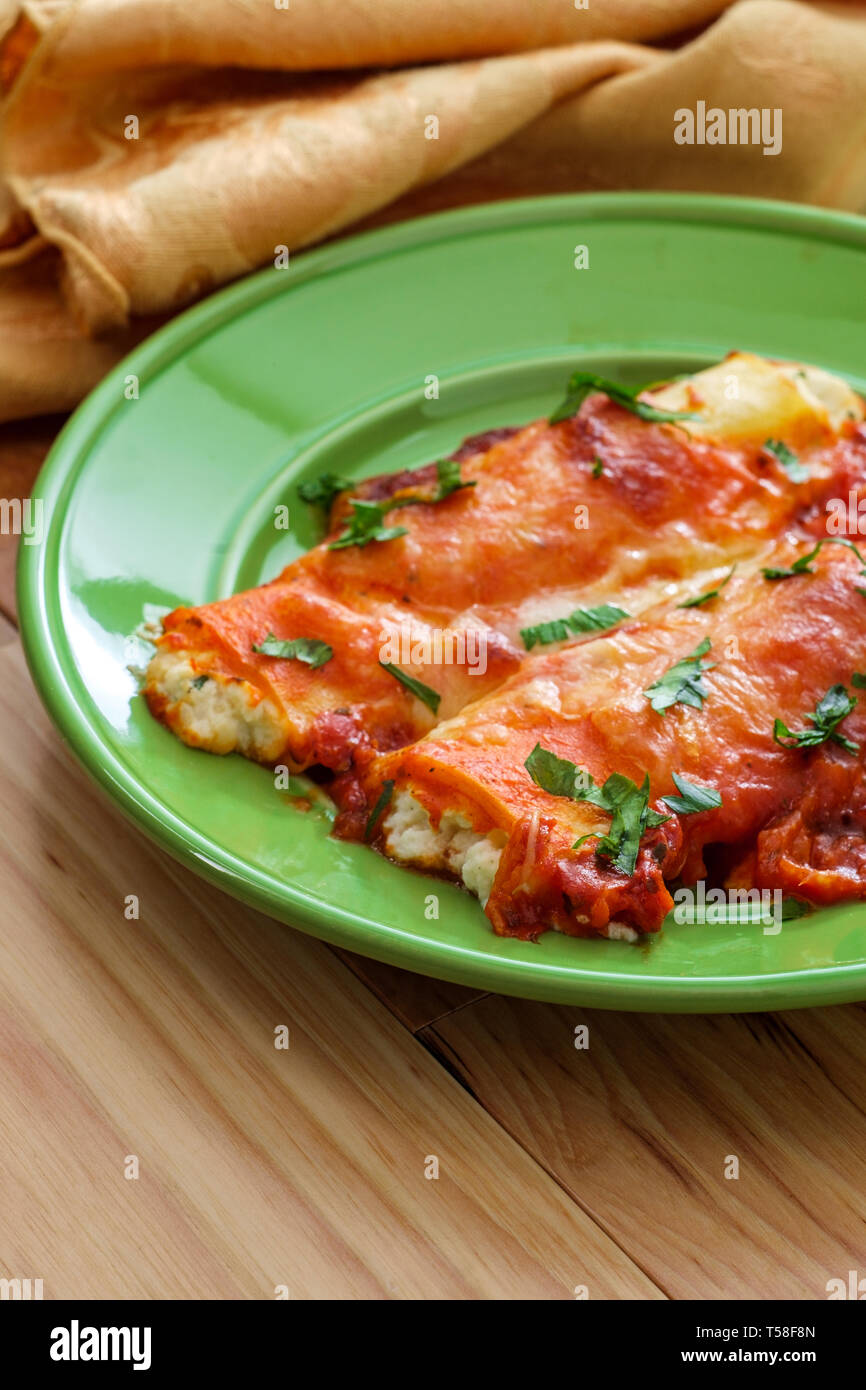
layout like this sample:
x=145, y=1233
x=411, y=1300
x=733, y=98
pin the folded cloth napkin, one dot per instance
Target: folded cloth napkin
x=152, y=150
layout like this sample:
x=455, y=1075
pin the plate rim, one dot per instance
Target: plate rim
x=217, y=864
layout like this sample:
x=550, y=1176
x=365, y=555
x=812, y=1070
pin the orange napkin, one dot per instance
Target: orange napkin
x=152, y=150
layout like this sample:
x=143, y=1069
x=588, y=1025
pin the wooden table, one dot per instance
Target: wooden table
x=601, y=1171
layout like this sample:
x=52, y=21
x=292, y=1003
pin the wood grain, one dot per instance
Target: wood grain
x=639, y=1128
x=258, y=1167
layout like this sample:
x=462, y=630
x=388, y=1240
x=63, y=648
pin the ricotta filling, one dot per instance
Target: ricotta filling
x=455, y=847
x=215, y=712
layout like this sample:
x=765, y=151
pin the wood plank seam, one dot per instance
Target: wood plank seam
x=439, y=1048
x=447, y=1013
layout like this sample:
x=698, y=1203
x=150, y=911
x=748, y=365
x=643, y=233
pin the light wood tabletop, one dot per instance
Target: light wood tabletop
x=157, y=1143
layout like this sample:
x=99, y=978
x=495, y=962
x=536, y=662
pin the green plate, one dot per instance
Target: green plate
x=169, y=498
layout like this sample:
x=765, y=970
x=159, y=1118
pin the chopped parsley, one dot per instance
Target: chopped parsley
x=368, y=518
x=858, y=680
x=199, y=682
x=321, y=491
x=423, y=692
x=825, y=719
x=701, y=599
x=682, y=684
x=581, y=384
x=367, y=524
x=597, y=467
x=626, y=803
x=555, y=630
x=804, y=564
x=557, y=775
x=787, y=458
x=692, y=798
x=600, y=619
x=384, y=799
x=448, y=479
x=792, y=908
x=310, y=650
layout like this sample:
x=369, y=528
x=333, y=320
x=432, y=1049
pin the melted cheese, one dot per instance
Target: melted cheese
x=749, y=399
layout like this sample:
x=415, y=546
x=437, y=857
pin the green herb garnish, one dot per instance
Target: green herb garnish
x=710, y=594
x=858, y=680
x=557, y=775
x=367, y=521
x=554, y=630
x=692, y=798
x=623, y=799
x=682, y=684
x=804, y=564
x=307, y=649
x=597, y=466
x=199, y=682
x=581, y=384
x=384, y=798
x=448, y=479
x=367, y=524
x=828, y=714
x=787, y=458
x=321, y=491
x=792, y=908
x=600, y=619
x=423, y=692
